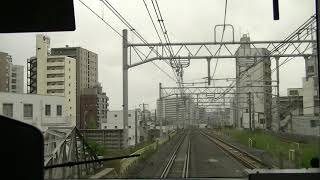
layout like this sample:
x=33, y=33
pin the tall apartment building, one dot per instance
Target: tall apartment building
x=17, y=72
x=11, y=76
x=177, y=111
x=311, y=85
x=93, y=107
x=53, y=75
x=5, y=71
x=87, y=70
x=257, y=80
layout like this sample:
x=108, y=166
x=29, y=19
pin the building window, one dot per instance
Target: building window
x=7, y=109
x=294, y=92
x=105, y=127
x=28, y=110
x=59, y=110
x=48, y=110
x=129, y=126
x=116, y=127
x=129, y=115
x=310, y=69
x=14, y=74
x=115, y=115
x=14, y=81
x=14, y=87
x=69, y=100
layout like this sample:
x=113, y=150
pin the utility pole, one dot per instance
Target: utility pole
x=143, y=111
x=160, y=108
x=125, y=80
x=224, y=112
x=209, y=74
x=177, y=111
x=197, y=112
x=254, y=113
x=135, y=127
x=278, y=94
x=185, y=111
x=318, y=59
x=249, y=102
x=237, y=100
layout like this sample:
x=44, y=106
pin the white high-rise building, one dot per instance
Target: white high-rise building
x=53, y=75
x=311, y=85
x=253, y=75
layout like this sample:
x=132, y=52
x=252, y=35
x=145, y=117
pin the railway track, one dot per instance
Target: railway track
x=244, y=158
x=176, y=168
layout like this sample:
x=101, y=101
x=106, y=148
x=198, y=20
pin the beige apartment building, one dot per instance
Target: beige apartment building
x=86, y=70
x=53, y=75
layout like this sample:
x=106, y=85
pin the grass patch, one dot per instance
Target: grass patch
x=122, y=152
x=274, y=145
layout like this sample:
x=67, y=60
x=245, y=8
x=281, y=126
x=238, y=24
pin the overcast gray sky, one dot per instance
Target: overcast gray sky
x=186, y=20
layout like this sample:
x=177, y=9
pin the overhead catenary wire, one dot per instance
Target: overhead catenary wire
x=156, y=30
x=119, y=34
x=178, y=67
x=101, y=18
x=163, y=28
x=154, y=25
x=223, y=30
x=126, y=23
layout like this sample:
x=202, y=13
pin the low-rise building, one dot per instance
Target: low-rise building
x=305, y=125
x=41, y=111
x=115, y=121
x=295, y=92
x=110, y=138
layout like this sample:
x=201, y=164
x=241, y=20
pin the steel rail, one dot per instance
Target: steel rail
x=185, y=172
x=168, y=166
x=244, y=158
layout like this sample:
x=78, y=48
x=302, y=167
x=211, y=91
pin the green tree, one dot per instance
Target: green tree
x=97, y=148
x=92, y=124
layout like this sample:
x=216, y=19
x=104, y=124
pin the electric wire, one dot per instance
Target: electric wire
x=119, y=34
